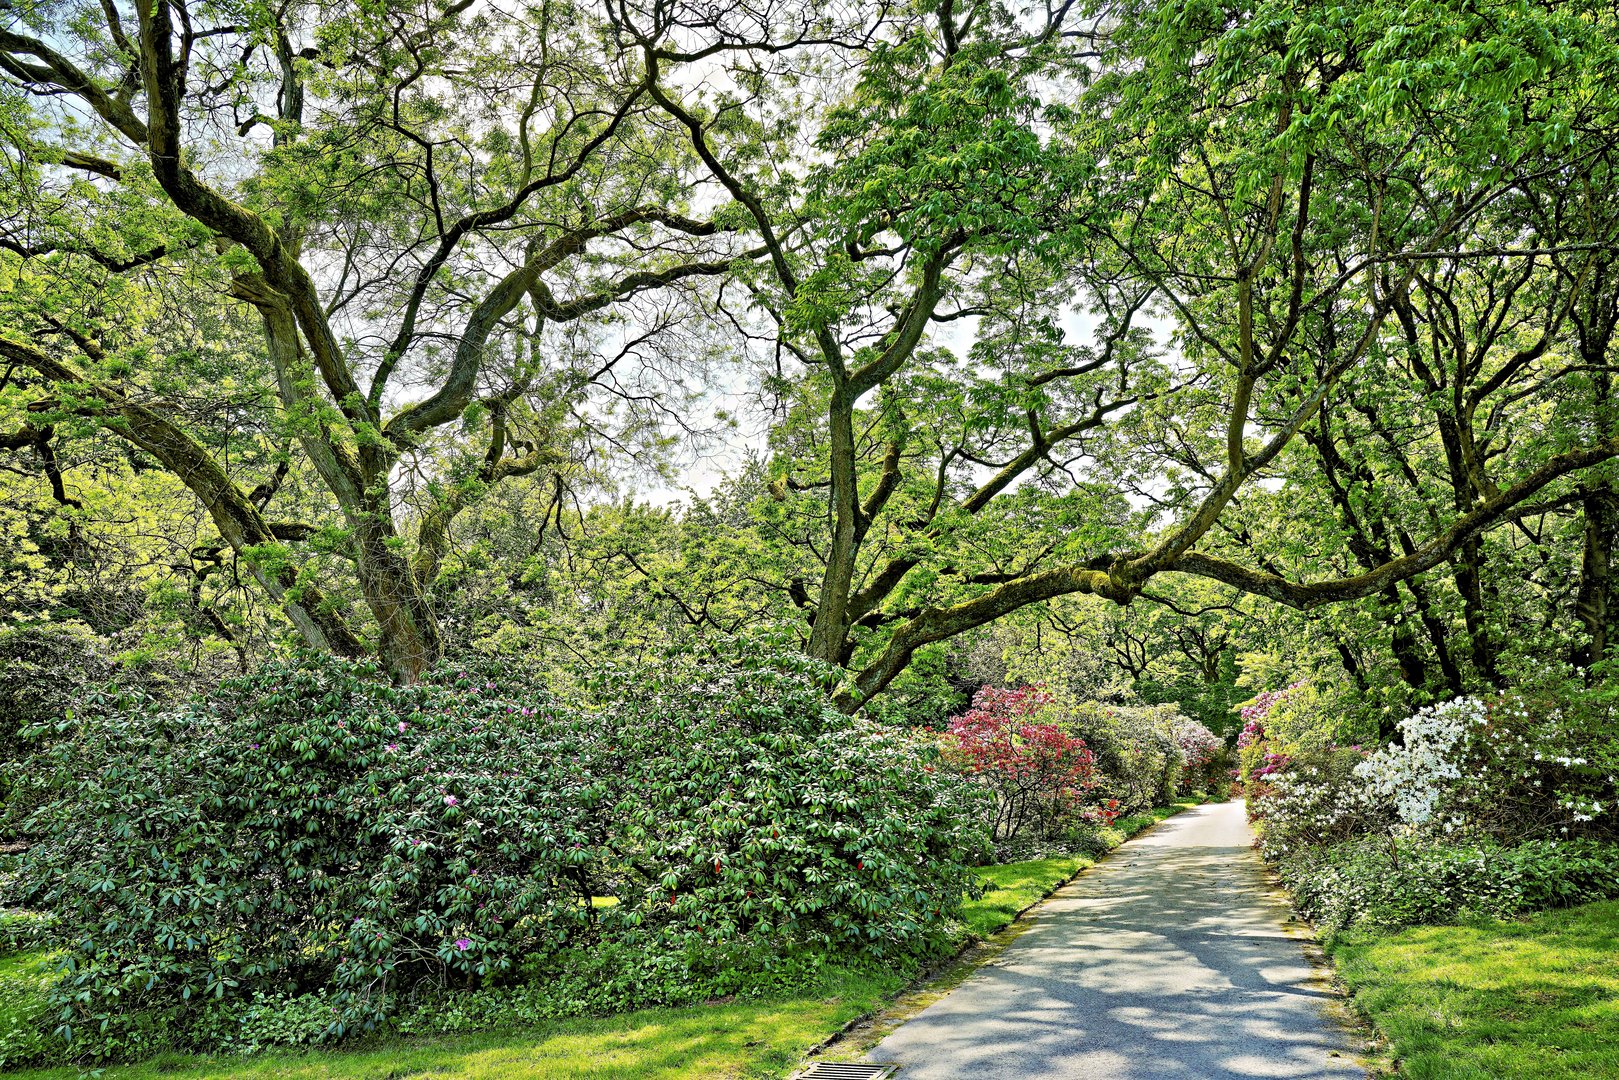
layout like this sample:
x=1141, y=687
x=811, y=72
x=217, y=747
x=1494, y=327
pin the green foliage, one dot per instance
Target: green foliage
x=42, y=669
x=311, y=829
x=23, y=930
x=1385, y=882
x=1306, y=717
x=24, y=980
x=753, y=806
x=1136, y=752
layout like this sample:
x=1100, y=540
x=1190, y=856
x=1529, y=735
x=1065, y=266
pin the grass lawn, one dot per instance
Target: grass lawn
x=1529, y=999
x=755, y=1039
x=733, y=1040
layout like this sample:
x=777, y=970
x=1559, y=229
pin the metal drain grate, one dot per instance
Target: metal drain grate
x=846, y=1070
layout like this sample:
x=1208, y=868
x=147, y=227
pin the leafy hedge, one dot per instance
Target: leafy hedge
x=313, y=830
x=1384, y=882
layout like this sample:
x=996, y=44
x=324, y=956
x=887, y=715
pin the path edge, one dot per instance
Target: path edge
x=975, y=951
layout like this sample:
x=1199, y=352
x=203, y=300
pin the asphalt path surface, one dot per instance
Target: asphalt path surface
x=1171, y=959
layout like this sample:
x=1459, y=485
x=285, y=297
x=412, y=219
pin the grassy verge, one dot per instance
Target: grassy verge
x=1533, y=999
x=756, y=1039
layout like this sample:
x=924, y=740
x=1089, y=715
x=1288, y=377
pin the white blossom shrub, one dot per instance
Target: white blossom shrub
x=1417, y=773
x=1513, y=767
x=1491, y=806
x=1506, y=769
x=1317, y=799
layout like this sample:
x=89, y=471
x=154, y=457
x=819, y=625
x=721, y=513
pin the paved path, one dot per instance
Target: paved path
x=1168, y=960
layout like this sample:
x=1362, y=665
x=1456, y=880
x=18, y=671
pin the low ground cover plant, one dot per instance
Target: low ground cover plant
x=1385, y=881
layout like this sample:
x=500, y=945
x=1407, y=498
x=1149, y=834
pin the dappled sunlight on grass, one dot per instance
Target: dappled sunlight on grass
x=1530, y=999
x=1015, y=886
x=758, y=1039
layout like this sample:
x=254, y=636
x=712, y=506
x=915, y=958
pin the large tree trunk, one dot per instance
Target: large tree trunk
x=1593, y=604
x=830, y=632
x=407, y=631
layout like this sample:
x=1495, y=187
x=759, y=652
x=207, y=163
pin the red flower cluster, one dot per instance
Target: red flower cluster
x=1035, y=768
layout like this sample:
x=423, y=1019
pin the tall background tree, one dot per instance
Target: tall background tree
x=448, y=239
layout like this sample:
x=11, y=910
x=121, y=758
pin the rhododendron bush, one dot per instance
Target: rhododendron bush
x=312, y=828
x=1137, y=747
x=1504, y=769
x=1040, y=775
x=1053, y=765
x=1203, y=756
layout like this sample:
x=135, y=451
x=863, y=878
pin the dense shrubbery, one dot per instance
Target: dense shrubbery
x=312, y=830
x=1510, y=768
x=1040, y=775
x=1315, y=800
x=42, y=669
x=1493, y=806
x=1387, y=881
x=1060, y=770
x=1137, y=750
x=1205, y=761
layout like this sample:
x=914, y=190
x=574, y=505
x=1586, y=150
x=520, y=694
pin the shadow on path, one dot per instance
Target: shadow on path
x=1169, y=960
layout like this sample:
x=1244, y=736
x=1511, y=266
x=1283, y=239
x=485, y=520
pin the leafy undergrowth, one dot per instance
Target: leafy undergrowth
x=757, y=1038
x=1528, y=999
x=24, y=978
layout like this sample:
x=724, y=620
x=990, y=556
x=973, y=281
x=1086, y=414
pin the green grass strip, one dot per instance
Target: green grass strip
x=1532, y=999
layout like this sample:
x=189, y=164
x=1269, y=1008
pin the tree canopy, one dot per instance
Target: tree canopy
x=346, y=325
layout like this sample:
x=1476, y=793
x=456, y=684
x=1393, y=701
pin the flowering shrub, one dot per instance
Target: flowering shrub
x=1255, y=755
x=1416, y=773
x=1040, y=775
x=1203, y=756
x=1260, y=707
x=1299, y=718
x=311, y=829
x=1501, y=769
x=1391, y=882
x=1137, y=753
x=1511, y=768
x=1312, y=800
x=1495, y=806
